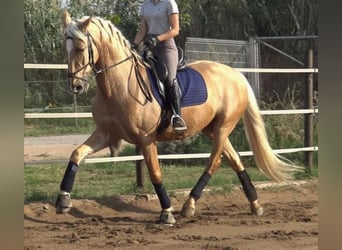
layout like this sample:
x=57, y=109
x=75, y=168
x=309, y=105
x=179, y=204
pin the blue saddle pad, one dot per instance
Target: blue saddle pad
x=192, y=85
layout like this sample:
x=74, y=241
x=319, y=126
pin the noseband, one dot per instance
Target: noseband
x=91, y=62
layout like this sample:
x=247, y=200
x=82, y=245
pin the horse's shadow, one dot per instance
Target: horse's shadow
x=115, y=203
x=119, y=203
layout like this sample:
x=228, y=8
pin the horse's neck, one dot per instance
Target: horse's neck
x=119, y=83
x=114, y=76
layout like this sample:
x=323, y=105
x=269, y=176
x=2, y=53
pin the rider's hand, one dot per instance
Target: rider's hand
x=151, y=41
x=134, y=46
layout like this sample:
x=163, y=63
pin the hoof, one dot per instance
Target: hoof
x=256, y=209
x=63, y=203
x=188, y=209
x=166, y=217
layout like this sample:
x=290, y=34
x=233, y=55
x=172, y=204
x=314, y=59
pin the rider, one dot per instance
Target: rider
x=159, y=26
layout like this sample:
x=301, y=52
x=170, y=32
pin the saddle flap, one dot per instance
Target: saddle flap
x=181, y=59
x=161, y=70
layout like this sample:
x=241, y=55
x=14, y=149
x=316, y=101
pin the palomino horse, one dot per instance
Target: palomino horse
x=124, y=109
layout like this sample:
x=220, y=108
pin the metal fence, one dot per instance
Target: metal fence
x=234, y=53
x=230, y=52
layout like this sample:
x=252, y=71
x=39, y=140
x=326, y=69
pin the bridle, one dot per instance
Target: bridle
x=91, y=62
x=142, y=84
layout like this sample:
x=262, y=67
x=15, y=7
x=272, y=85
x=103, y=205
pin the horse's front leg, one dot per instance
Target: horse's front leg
x=151, y=158
x=97, y=141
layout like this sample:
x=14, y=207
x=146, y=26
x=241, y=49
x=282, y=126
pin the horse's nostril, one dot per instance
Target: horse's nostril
x=79, y=88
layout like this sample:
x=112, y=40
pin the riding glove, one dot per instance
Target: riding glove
x=151, y=41
x=134, y=46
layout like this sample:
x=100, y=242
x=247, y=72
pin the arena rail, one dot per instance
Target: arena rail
x=164, y=157
x=89, y=115
x=257, y=70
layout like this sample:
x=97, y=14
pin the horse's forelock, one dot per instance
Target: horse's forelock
x=73, y=31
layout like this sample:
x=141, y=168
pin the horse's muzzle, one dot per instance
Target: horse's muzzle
x=78, y=87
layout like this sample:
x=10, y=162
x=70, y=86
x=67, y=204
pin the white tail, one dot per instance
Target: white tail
x=271, y=164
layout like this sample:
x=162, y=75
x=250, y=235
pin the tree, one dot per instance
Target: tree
x=42, y=45
x=287, y=17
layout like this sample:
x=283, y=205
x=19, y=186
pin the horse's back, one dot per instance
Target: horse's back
x=210, y=67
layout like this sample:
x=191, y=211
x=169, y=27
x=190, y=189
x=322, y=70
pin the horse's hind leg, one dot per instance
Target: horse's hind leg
x=114, y=148
x=222, y=144
x=248, y=188
x=95, y=142
x=218, y=138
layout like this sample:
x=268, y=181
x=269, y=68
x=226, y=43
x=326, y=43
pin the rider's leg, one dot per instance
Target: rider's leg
x=177, y=121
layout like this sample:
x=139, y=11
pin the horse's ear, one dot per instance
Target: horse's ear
x=84, y=25
x=66, y=19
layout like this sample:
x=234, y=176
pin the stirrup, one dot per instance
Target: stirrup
x=178, y=123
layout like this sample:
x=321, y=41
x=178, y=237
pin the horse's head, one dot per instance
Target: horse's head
x=81, y=53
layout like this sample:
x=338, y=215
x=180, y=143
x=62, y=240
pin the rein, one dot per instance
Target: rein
x=142, y=84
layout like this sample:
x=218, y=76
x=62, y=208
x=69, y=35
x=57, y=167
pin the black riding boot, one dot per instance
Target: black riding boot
x=177, y=121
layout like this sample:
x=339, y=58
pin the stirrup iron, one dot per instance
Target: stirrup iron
x=182, y=124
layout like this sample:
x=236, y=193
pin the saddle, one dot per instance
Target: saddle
x=160, y=69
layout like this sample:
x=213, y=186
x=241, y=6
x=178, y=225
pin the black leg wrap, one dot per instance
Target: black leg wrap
x=247, y=186
x=162, y=195
x=69, y=177
x=198, y=188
